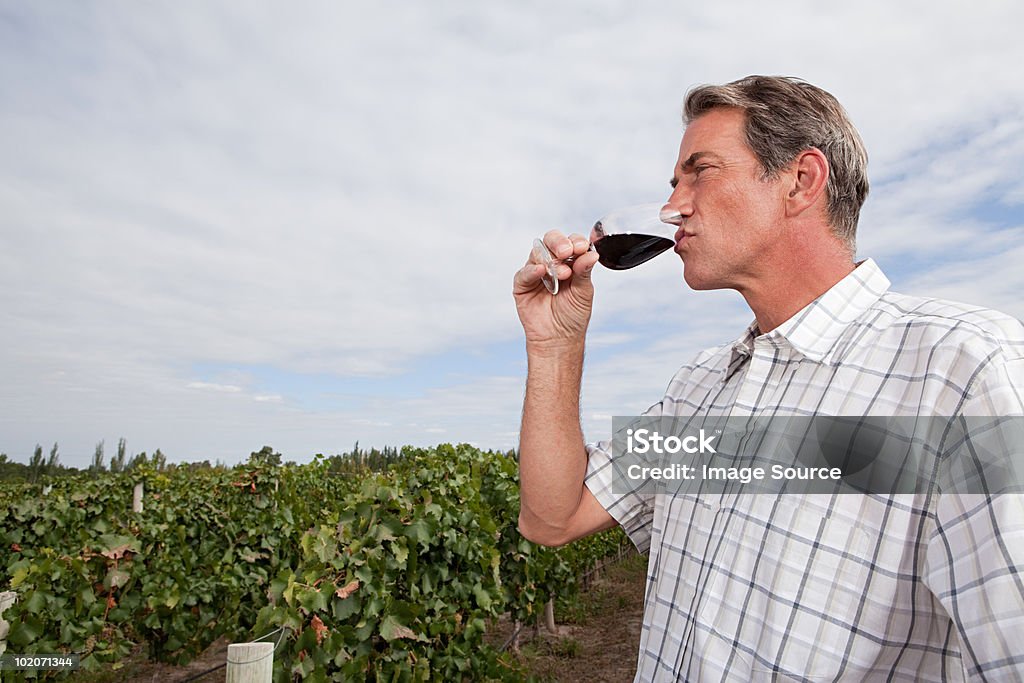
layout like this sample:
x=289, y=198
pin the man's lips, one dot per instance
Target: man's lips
x=681, y=237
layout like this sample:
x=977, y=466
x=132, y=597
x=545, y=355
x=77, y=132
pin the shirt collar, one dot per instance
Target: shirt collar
x=814, y=330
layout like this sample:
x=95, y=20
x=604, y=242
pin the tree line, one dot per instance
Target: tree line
x=41, y=468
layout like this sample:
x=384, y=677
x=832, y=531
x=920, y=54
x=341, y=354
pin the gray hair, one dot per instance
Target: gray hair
x=785, y=116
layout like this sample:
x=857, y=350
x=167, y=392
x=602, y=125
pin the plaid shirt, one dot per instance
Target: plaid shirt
x=907, y=587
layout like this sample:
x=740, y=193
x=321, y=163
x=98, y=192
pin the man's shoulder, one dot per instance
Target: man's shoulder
x=712, y=356
x=954, y=321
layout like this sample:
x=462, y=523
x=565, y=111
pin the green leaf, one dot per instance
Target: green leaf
x=313, y=600
x=86, y=596
x=172, y=599
x=483, y=598
x=24, y=632
x=391, y=629
x=401, y=553
x=345, y=608
x=387, y=530
x=116, y=578
x=35, y=602
x=114, y=546
x=289, y=591
x=419, y=531
x=20, y=573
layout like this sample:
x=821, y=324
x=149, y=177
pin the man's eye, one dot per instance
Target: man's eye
x=699, y=169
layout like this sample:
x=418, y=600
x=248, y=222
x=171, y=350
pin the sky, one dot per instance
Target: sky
x=227, y=225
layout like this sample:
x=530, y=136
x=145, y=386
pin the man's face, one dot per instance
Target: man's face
x=729, y=215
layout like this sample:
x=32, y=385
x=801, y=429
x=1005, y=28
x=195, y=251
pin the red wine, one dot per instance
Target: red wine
x=628, y=250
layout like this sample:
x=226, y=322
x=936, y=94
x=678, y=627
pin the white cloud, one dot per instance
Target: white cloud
x=345, y=192
x=210, y=386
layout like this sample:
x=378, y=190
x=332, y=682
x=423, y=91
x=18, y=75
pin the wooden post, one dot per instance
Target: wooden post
x=137, y=497
x=549, y=616
x=250, y=663
x=7, y=598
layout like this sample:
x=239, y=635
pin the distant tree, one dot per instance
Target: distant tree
x=359, y=461
x=36, y=464
x=97, y=465
x=53, y=463
x=159, y=461
x=117, y=463
x=137, y=460
x=12, y=471
x=265, y=456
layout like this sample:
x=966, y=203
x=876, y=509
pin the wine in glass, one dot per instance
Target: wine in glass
x=623, y=239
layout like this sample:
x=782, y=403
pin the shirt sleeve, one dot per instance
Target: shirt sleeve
x=622, y=497
x=975, y=554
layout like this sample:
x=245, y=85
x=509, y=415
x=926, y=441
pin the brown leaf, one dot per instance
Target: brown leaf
x=404, y=632
x=347, y=590
x=116, y=553
x=318, y=627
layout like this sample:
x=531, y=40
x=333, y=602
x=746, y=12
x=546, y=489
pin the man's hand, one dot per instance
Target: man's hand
x=564, y=317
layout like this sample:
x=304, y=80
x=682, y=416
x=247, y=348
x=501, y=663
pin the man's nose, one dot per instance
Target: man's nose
x=670, y=214
x=678, y=206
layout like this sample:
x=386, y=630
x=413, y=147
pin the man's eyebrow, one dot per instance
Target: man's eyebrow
x=692, y=160
x=687, y=166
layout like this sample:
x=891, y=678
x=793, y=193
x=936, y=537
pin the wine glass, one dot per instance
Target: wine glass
x=623, y=239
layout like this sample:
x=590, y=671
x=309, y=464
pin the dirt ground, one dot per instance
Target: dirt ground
x=209, y=667
x=599, y=637
x=597, y=641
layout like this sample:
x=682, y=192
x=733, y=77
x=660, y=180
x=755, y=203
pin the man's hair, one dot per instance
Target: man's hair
x=785, y=116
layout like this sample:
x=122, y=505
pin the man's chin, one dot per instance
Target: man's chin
x=699, y=283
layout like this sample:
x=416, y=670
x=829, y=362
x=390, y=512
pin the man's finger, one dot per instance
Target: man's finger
x=528, y=277
x=584, y=265
x=558, y=244
x=580, y=244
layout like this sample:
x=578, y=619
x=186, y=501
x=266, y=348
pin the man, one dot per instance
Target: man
x=767, y=192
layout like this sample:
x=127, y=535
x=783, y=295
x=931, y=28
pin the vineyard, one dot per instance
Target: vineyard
x=377, y=576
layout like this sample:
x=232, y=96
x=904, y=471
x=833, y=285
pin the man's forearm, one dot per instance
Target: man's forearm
x=553, y=459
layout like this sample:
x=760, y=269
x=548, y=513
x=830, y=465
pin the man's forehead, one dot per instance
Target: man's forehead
x=716, y=130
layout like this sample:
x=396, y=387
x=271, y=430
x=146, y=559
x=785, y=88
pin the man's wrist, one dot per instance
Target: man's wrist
x=555, y=348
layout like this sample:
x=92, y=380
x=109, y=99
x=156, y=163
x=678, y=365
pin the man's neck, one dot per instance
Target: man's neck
x=778, y=297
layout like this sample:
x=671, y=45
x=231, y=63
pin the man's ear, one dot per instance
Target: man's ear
x=808, y=177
